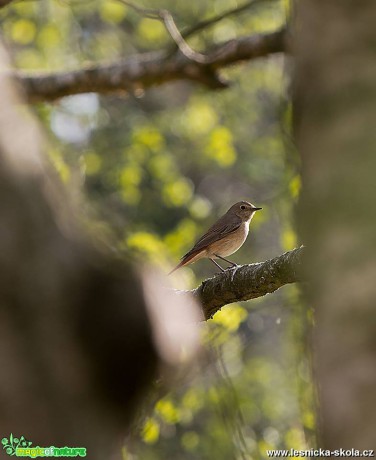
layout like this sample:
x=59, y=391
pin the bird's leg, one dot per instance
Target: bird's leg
x=214, y=262
x=233, y=264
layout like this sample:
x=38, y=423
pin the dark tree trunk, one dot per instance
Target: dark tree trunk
x=76, y=345
x=335, y=112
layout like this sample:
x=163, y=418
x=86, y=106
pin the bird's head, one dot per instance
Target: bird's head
x=244, y=210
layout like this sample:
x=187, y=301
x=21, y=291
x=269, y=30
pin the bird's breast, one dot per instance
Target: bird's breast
x=230, y=243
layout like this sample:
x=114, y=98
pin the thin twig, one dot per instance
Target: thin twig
x=179, y=38
x=149, y=13
x=166, y=17
x=211, y=21
x=180, y=42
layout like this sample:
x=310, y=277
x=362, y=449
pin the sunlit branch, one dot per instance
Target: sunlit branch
x=143, y=71
x=166, y=17
x=249, y=281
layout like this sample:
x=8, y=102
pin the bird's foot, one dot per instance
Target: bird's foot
x=233, y=269
x=232, y=266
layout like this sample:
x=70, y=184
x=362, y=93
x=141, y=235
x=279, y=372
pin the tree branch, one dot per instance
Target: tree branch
x=167, y=18
x=5, y=3
x=249, y=281
x=212, y=21
x=61, y=302
x=150, y=69
x=179, y=38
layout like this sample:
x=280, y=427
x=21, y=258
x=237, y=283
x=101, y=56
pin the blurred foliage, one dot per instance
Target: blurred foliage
x=151, y=171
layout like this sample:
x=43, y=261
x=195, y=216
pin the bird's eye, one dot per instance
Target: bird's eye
x=242, y=206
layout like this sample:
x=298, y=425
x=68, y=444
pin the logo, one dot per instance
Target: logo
x=21, y=447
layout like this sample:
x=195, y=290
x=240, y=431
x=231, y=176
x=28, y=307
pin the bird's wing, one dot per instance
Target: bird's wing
x=216, y=232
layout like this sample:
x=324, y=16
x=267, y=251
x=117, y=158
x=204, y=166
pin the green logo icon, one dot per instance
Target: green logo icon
x=21, y=447
x=10, y=445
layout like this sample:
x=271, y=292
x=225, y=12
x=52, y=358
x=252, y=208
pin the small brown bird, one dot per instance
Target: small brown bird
x=223, y=238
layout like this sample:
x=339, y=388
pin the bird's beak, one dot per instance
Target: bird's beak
x=256, y=209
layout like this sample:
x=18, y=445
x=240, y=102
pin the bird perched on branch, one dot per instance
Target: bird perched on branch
x=223, y=238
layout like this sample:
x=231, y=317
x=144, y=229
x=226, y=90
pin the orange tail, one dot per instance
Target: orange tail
x=185, y=261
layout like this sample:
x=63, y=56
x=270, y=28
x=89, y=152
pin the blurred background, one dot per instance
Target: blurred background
x=151, y=171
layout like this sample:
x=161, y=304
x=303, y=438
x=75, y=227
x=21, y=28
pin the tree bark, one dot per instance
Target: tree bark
x=5, y=3
x=335, y=126
x=80, y=334
x=140, y=72
x=248, y=282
